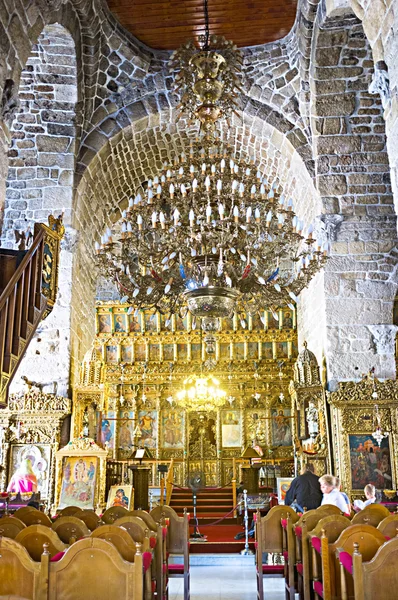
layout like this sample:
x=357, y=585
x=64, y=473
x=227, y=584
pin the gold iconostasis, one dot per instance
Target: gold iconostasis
x=139, y=361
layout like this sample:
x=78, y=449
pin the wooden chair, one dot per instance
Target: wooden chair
x=371, y=515
x=24, y=510
x=68, y=511
x=11, y=526
x=33, y=537
x=89, y=517
x=134, y=529
x=270, y=538
x=307, y=522
x=330, y=509
x=176, y=542
x=70, y=529
x=127, y=549
x=377, y=578
x=331, y=582
x=387, y=526
x=146, y=517
x=20, y=576
x=113, y=514
x=35, y=517
x=93, y=569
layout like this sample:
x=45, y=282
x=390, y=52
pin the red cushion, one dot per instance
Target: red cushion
x=272, y=569
x=346, y=560
x=316, y=543
x=299, y=532
x=286, y=555
x=164, y=532
x=299, y=568
x=164, y=568
x=387, y=537
x=255, y=517
x=146, y=560
x=318, y=588
x=153, y=586
x=256, y=544
x=284, y=523
x=152, y=542
x=189, y=516
x=176, y=569
x=57, y=557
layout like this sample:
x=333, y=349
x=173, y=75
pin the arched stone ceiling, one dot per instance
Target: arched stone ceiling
x=166, y=24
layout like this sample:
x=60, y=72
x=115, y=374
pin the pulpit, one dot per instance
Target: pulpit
x=141, y=486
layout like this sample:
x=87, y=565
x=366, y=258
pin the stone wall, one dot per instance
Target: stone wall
x=40, y=182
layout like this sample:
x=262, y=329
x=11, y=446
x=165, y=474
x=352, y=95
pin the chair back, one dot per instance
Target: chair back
x=92, y=568
x=387, y=526
x=119, y=537
x=35, y=517
x=330, y=509
x=146, y=517
x=134, y=529
x=89, y=517
x=70, y=529
x=113, y=514
x=269, y=528
x=68, y=511
x=19, y=575
x=24, y=510
x=332, y=525
x=11, y=526
x=371, y=515
x=178, y=529
x=377, y=578
x=33, y=537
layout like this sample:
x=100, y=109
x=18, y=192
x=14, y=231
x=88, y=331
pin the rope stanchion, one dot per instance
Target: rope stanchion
x=246, y=551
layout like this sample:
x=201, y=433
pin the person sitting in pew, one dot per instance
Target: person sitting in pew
x=331, y=494
x=370, y=494
x=304, y=491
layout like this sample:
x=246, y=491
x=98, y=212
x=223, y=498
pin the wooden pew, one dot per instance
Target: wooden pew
x=113, y=514
x=89, y=518
x=146, y=517
x=388, y=526
x=92, y=569
x=20, y=575
x=33, y=517
x=176, y=542
x=377, y=578
x=35, y=536
x=11, y=526
x=24, y=510
x=70, y=529
x=329, y=581
x=371, y=515
x=68, y=511
x=270, y=538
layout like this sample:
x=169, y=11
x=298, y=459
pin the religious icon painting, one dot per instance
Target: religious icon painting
x=287, y=322
x=111, y=354
x=79, y=475
x=230, y=428
x=126, y=354
x=151, y=321
x=225, y=352
x=267, y=351
x=272, y=322
x=239, y=351
x=154, y=352
x=282, y=487
x=120, y=495
x=30, y=468
x=107, y=433
x=168, y=352
x=228, y=324
x=256, y=323
x=139, y=352
x=173, y=429
x=370, y=463
x=252, y=350
x=282, y=349
x=120, y=323
x=182, y=351
x=126, y=430
x=135, y=322
x=104, y=323
x=182, y=324
x=281, y=427
x=148, y=424
x=196, y=351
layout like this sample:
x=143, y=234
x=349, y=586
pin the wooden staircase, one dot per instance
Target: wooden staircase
x=28, y=288
x=211, y=503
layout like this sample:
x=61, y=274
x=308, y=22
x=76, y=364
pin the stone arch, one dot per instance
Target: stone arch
x=138, y=152
x=353, y=178
x=40, y=182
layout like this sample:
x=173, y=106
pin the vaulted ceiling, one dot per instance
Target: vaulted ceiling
x=166, y=24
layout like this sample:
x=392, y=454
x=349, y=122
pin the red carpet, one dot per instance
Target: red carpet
x=220, y=539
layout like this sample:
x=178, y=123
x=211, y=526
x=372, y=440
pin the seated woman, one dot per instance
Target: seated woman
x=23, y=480
x=338, y=487
x=331, y=494
x=370, y=494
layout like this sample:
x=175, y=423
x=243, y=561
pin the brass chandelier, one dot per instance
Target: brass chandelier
x=201, y=393
x=209, y=233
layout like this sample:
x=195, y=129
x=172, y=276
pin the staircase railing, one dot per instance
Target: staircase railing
x=28, y=297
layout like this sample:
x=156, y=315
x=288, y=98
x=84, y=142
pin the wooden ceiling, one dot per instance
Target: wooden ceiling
x=166, y=24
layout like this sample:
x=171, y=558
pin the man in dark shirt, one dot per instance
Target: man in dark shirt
x=304, y=491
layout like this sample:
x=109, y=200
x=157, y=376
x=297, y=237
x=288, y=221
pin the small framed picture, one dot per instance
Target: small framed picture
x=282, y=486
x=120, y=495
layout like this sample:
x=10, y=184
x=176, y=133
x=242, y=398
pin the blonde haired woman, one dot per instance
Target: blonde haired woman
x=331, y=494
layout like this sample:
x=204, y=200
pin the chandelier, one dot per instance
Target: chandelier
x=201, y=393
